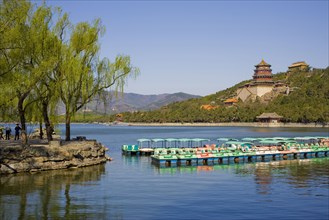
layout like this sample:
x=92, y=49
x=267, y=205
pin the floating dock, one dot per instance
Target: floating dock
x=171, y=159
x=232, y=150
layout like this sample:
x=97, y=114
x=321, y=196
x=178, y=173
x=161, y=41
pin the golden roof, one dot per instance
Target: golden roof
x=296, y=64
x=263, y=63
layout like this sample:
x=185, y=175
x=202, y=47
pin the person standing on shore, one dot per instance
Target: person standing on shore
x=17, y=129
x=8, y=131
x=1, y=134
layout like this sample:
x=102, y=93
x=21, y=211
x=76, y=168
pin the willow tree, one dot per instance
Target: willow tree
x=13, y=17
x=15, y=60
x=42, y=59
x=48, y=60
x=83, y=74
x=30, y=55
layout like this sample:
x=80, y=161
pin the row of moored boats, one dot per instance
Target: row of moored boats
x=189, y=151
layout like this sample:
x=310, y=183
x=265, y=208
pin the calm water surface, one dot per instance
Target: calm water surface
x=133, y=188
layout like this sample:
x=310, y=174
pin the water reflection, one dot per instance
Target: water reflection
x=286, y=131
x=44, y=195
x=299, y=173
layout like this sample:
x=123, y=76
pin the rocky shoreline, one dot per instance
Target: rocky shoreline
x=40, y=155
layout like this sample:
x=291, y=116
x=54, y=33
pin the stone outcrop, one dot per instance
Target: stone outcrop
x=14, y=158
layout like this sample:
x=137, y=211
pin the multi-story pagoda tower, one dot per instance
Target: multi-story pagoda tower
x=263, y=73
x=261, y=84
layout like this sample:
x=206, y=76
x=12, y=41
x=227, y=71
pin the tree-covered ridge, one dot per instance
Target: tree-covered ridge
x=308, y=101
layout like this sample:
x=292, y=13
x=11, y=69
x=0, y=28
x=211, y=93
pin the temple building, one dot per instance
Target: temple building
x=298, y=66
x=269, y=118
x=263, y=74
x=230, y=102
x=261, y=84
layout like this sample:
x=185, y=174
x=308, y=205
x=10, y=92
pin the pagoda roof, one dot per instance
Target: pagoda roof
x=263, y=63
x=301, y=63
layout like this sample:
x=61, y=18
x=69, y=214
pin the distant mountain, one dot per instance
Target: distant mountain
x=130, y=102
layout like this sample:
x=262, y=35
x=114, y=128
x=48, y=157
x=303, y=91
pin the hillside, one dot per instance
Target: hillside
x=308, y=101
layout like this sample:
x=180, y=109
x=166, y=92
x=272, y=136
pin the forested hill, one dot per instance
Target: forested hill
x=308, y=101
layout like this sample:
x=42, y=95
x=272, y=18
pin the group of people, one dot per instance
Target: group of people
x=8, y=132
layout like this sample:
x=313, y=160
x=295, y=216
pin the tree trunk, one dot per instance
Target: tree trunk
x=40, y=130
x=49, y=128
x=67, y=126
x=21, y=112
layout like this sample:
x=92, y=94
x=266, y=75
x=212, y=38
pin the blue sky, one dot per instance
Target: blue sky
x=201, y=47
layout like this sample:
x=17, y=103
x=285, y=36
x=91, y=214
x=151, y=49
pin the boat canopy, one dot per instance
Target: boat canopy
x=306, y=138
x=169, y=142
x=249, y=139
x=184, y=139
x=266, y=139
x=144, y=140
x=279, y=138
x=227, y=139
x=241, y=143
x=197, y=142
x=171, y=139
x=199, y=139
x=277, y=142
x=157, y=140
x=290, y=141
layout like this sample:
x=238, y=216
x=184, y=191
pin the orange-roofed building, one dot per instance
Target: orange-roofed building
x=230, y=102
x=208, y=107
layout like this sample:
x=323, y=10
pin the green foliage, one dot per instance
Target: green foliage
x=44, y=59
x=308, y=102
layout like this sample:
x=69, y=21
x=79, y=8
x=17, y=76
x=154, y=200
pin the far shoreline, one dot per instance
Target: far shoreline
x=205, y=124
x=227, y=124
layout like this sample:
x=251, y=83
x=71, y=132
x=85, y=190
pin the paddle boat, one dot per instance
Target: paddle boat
x=186, y=156
x=190, y=151
x=130, y=149
x=164, y=157
x=204, y=155
x=145, y=146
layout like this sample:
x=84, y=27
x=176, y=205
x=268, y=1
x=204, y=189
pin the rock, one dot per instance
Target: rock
x=55, y=155
x=54, y=143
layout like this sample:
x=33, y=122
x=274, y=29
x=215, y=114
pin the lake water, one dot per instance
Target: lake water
x=130, y=187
